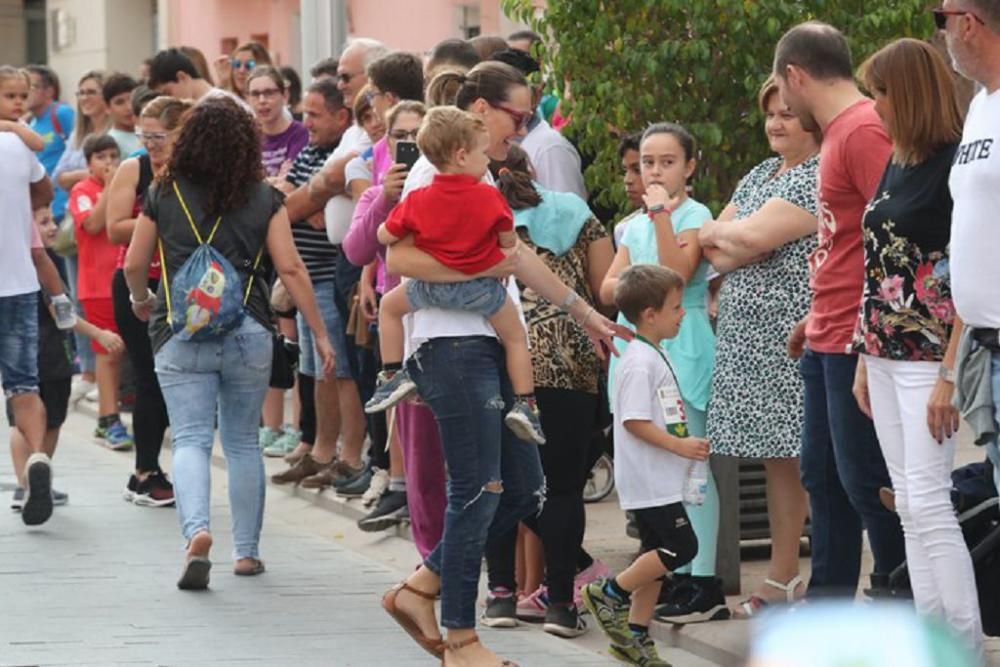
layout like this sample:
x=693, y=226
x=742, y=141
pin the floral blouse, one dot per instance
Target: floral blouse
x=906, y=309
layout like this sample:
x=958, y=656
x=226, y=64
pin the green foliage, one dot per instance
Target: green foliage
x=697, y=62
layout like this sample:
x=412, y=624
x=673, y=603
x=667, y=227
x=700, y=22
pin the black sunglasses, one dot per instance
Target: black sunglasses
x=941, y=17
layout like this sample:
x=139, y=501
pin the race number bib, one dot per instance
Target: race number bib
x=672, y=406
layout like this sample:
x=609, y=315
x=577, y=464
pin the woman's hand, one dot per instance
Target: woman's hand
x=392, y=184
x=143, y=309
x=708, y=233
x=368, y=300
x=657, y=195
x=797, y=340
x=861, y=387
x=223, y=70
x=326, y=354
x=601, y=331
x=942, y=416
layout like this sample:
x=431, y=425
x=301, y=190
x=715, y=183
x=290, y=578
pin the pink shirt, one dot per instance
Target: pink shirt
x=855, y=152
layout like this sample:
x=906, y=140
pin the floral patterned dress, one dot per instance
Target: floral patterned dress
x=906, y=310
x=756, y=409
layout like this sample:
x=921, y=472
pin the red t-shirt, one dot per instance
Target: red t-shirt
x=97, y=256
x=855, y=152
x=457, y=220
x=154, y=265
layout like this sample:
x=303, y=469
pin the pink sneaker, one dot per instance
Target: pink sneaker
x=597, y=570
x=532, y=607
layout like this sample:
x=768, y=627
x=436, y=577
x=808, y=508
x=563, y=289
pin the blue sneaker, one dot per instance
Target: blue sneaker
x=117, y=437
x=523, y=419
x=391, y=389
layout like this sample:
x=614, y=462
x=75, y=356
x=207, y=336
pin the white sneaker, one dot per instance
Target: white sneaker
x=378, y=486
x=80, y=389
x=92, y=396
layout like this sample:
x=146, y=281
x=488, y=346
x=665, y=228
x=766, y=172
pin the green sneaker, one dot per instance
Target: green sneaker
x=640, y=651
x=266, y=436
x=611, y=614
x=284, y=443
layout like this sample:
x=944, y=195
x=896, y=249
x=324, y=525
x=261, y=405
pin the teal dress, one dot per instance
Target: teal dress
x=692, y=352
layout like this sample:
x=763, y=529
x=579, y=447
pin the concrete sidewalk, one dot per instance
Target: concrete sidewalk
x=96, y=584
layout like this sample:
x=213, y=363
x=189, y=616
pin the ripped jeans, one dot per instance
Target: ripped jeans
x=494, y=479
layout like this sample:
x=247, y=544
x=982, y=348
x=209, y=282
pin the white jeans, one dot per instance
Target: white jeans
x=937, y=557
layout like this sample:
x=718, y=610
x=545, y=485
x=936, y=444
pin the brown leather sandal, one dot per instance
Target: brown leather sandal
x=474, y=639
x=433, y=645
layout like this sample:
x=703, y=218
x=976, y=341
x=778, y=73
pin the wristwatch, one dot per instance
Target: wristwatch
x=657, y=208
x=946, y=374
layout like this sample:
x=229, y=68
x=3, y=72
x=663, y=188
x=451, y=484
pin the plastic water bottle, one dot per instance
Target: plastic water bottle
x=65, y=315
x=696, y=483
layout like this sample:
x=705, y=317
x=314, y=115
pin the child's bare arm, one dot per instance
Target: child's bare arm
x=689, y=448
x=109, y=340
x=31, y=139
x=385, y=237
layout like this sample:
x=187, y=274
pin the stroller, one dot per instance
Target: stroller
x=974, y=496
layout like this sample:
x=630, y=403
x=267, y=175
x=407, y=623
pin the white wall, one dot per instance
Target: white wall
x=12, y=38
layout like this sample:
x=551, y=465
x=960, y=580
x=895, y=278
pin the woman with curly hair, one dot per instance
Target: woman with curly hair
x=230, y=370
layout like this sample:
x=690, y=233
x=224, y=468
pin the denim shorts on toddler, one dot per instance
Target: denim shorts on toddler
x=482, y=296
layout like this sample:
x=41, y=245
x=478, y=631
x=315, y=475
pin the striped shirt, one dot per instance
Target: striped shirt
x=319, y=255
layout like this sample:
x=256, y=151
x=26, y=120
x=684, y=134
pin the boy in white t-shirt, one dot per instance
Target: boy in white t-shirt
x=652, y=454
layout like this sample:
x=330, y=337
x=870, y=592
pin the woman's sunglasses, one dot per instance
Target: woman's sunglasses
x=248, y=65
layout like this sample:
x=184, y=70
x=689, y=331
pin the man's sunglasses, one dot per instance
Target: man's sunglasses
x=941, y=17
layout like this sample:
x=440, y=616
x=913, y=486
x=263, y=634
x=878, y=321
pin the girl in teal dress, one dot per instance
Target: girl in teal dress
x=667, y=234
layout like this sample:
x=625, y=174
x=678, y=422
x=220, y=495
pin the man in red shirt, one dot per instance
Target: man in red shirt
x=842, y=464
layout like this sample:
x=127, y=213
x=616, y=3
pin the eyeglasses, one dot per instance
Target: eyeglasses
x=403, y=135
x=151, y=137
x=520, y=118
x=941, y=17
x=88, y=93
x=266, y=93
x=370, y=97
x=243, y=64
x=345, y=77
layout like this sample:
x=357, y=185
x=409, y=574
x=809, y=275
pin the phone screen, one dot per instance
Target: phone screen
x=407, y=153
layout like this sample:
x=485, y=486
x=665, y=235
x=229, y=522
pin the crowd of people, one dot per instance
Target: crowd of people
x=409, y=246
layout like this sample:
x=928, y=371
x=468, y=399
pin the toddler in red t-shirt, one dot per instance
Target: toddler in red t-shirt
x=463, y=223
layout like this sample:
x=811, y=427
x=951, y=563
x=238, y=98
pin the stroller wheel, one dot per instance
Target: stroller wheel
x=601, y=480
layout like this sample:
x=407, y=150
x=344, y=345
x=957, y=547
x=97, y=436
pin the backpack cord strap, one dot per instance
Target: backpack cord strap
x=256, y=263
x=165, y=282
x=190, y=219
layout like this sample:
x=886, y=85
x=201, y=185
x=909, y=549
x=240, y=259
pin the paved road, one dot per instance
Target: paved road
x=96, y=586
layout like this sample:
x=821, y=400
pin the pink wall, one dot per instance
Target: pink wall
x=204, y=24
x=416, y=26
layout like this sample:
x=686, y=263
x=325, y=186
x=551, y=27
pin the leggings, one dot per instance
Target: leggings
x=307, y=413
x=704, y=517
x=568, y=419
x=150, y=412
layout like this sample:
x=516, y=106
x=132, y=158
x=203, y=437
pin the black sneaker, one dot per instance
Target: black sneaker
x=705, y=603
x=154, y=491
x=356, y=485
x=386, y=514
x=501, y=609
x=130, y=488
x=676, y=590
x=564, y=621
x=38, y=495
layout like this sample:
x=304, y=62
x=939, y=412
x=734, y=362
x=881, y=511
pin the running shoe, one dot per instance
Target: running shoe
x=17, y=501
x=610, y=613
x=386, y=514
x=501, y=609
x=114, y=436
x=390, y=390
x=155, y=491
x=532, y=607
x=129, y=493
x=595, y=571
x=266, y=436
x=703, y=601
x=563, y=621
x=524, y=421
x=640, y=651
x=284, y=443
x=37, y=506
x=79, y=390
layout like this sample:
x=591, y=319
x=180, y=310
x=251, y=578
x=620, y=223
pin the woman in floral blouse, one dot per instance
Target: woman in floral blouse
x=908, y=332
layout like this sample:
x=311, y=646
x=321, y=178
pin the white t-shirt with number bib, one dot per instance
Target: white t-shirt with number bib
x=646, y=390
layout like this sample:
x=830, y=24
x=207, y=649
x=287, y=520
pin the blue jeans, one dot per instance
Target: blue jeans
x=19, y=344
x=230, y=374
x=465, y=383
x=85, y=353
x=842, y=470
x=483, y=296
x=991, y=449
x=309, y=361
